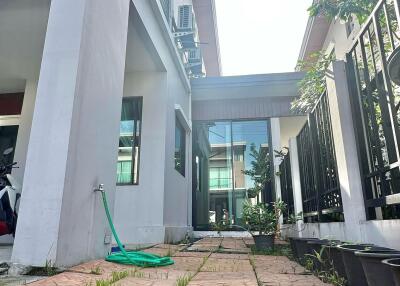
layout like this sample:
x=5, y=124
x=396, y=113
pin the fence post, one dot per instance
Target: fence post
x=316, y=162
x=346, y=150
x=296, y=183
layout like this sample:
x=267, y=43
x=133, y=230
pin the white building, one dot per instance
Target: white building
x=128, y=94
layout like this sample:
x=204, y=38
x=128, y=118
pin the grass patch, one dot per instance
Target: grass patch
x=278, y=250
x=115, y=276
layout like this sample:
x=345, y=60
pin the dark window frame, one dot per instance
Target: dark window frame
x=182, y=169
x=137, y=142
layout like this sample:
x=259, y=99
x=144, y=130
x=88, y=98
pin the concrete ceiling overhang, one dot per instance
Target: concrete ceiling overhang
x=23, y=25
x=141, y=54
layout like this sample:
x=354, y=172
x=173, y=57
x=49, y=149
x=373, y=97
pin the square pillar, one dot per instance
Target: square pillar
x=346, y=150
x=74, y=135
x=296, y=183
x=24, y=129
x=276, y=145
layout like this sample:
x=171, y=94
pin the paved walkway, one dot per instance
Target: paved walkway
x=209, y=261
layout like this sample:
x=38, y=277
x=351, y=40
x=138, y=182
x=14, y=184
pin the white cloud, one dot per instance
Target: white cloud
x=260, y=36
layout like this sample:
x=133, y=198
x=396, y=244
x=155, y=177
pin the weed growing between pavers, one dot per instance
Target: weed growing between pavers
x=96, y=271
x=184, y=280
x=47, y=270
x=327, y=272
x=115, y=276
x=259, y=283
x=278, y=250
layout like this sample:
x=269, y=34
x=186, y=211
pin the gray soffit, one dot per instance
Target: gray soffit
x=314, y=36
x=244, y=97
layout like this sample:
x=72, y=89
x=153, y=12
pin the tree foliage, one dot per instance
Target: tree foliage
x=343, y=9
x=313, y=84
x=260, y=171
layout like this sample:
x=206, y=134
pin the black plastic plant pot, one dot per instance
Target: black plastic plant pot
x=354, y=270
x=394, y=265
x=334, y=256
x=315, y=247
x=263, y=241
x=375, y=271
x=293, y=246
x=302, y=247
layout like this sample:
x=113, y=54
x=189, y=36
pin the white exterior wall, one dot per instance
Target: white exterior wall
x=138, y=214
x=337, y=38
x=158, y=209
x=61, y=219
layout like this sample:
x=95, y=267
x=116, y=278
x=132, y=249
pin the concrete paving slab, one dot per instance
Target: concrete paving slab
x=227, y=265
x=224, y=278
x=5, y=253
x=229, y=256
x=191, y=254
x=18, y=280
x=277, y=265
x=217, y=269
x=289, y=280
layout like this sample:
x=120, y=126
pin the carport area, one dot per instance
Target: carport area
x=23, y=27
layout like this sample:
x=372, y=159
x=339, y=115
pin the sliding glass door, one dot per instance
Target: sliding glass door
x=222, y=151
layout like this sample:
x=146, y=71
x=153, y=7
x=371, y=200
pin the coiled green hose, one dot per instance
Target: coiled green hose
x=138, y=258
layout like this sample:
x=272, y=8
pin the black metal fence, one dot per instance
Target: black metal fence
x=375, y=102
x=320, y=188
x=286, y=187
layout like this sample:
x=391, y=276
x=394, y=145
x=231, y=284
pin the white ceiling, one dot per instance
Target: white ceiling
x=23, y=26
x=290, y=127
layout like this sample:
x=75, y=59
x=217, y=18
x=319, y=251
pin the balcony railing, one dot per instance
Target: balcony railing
x=375, y=104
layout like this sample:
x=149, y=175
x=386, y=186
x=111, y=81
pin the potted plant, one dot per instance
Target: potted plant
x=263, y=222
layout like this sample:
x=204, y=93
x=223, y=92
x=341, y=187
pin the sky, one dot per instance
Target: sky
x=260, y=36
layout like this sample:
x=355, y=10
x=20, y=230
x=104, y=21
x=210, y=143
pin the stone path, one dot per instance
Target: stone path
x=209, y=261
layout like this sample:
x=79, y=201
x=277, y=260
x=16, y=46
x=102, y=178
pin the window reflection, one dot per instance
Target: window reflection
x=129, y=141
x=222, y=151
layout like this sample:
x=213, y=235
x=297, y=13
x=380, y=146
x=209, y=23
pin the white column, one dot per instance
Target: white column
x=296, y=183
x=24, y=129
x=346, y=151
x=276, y=145
x=74, y=135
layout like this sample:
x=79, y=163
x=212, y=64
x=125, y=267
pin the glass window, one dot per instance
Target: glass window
x=129, y=141
x=8, y=139
x=180, y=147
x=225, y=150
